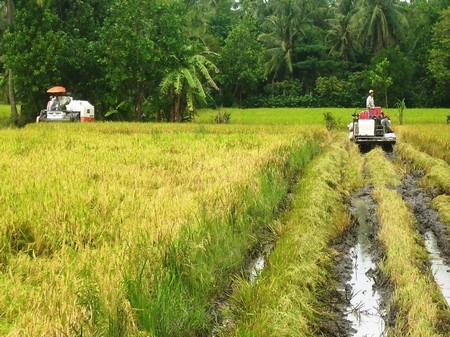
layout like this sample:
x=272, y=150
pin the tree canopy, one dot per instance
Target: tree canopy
x=135, y=59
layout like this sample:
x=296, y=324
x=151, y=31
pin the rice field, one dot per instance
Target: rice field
x=140, y=229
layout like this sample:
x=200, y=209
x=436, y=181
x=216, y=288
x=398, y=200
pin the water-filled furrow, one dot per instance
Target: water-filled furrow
x=365, y=309
x=435, y=233
x=439, y=268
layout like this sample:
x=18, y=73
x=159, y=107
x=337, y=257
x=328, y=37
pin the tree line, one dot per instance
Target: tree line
x=163, y=59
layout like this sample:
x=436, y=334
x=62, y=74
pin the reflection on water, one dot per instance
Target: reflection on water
x=256, y=267
x=438, y=267
x=364, y=312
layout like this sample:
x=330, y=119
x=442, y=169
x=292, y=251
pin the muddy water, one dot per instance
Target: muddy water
x=365, y=310
x=256, y=267
x=435, y=233
x=438, y=266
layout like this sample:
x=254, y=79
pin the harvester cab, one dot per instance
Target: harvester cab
x=370, y=128
x=63, y=108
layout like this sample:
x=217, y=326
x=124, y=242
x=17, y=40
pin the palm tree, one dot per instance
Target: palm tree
x=288, y=20
x=342, y=37
x=182, y=86
x=380, y=22
x=283, y=30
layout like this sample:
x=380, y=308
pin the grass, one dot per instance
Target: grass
x=285, y=299
x=132, y=229
x=308, y=116
x=105, y=225
x=5, y=115
x=196, y=265
x=442, y=204
x=435, y=142
x=437, y=171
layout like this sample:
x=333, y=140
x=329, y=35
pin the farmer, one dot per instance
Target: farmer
x=49, y=104
x=55, y=103
x=370, y=103
x=386, y=122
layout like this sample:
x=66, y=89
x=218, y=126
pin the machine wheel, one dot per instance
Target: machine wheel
x=388, y=147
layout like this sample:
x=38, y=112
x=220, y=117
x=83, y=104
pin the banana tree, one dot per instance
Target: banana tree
x=185, y=85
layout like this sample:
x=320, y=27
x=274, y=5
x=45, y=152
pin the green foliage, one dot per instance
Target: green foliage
x=184, y=86
x=48, y=47
x=330, y=89
x=222, y=117
x=243, y=70
x=379, y=24
x=439, y=65
x=284, y=88
x=380, y=78
x=134, y=49
x=330, y=121
x=288, y=101
x=101, y=50
x=401, y=106
x=401, y=71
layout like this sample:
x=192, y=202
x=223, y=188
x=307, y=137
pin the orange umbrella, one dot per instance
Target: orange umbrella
x=57, y=90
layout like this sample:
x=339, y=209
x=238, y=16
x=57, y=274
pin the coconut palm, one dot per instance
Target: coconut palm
x=284, y=29
x=184, y=85
x=289, y=20
x=380, y=22
x=341, y=36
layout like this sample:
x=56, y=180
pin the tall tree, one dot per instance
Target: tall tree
x=380, y=23
x=341, y=35
x=48, y=46
x=10, y=11
x=242, y=71
x=139, y=50
x=381, y=79
x=282, y=30
x=11, y=95
x=439, y=64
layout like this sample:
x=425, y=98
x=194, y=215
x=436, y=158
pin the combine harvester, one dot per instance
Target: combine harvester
x=370, y=128
x=63, y=108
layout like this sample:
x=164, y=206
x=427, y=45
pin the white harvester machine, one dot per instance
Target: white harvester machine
x=63, y=108
x=370, y=128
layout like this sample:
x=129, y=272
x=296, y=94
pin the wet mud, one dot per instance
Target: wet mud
x=363, y=291
x=358, y=304
x=435, y=233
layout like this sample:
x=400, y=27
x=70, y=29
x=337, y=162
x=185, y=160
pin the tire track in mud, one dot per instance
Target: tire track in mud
x=435, y=233
x=360, y=302
x=364, y=291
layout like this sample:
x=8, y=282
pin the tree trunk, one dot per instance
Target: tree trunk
x=386, y=98
x=12, y=97
x=177, y=109
x=139, y=104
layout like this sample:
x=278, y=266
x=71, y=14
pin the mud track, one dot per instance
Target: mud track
x=419, y=199
x=358, y=304
x=369, y=315
x=363, y=291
